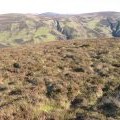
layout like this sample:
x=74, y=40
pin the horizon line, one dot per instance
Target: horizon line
x=59, y=13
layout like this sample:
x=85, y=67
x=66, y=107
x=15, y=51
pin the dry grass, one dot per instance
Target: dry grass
x=61, y=80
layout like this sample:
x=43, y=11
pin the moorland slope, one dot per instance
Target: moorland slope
x=62, y=80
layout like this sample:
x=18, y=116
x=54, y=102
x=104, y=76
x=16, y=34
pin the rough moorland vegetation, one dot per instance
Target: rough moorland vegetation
x=72, y=80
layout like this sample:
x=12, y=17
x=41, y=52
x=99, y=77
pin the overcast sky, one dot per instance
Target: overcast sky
x=58, y=6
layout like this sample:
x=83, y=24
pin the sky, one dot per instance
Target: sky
x=58, y=6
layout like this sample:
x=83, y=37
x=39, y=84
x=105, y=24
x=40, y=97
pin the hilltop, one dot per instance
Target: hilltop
x=17, y=29
x=62, y=80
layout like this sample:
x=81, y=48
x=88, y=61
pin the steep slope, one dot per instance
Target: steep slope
x=18, y=29
x=62, y=80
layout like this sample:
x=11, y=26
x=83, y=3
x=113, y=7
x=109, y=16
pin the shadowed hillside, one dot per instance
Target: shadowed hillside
x=16, y=29
x=62, y=80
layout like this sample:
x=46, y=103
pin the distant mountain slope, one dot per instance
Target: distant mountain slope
x=28, y=28
x=50, y=14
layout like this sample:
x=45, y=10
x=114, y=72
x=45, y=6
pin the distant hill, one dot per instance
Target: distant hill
x=18, y=29
x=50, y=14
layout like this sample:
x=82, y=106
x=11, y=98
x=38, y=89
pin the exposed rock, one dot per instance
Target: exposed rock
x=115, y=28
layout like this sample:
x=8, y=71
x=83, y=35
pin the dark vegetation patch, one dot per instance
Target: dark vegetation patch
x=16, y=65
x=2, y=88
x=15, y=92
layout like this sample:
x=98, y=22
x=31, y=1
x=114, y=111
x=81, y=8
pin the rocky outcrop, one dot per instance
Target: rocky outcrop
x=115, y=28
x=67, y=31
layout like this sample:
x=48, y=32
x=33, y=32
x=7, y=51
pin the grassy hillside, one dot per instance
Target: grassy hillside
x=18, y=29
x=62, y=80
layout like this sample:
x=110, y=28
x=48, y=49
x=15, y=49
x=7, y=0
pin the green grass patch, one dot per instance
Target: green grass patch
x=42, y=31
x=4, y=36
